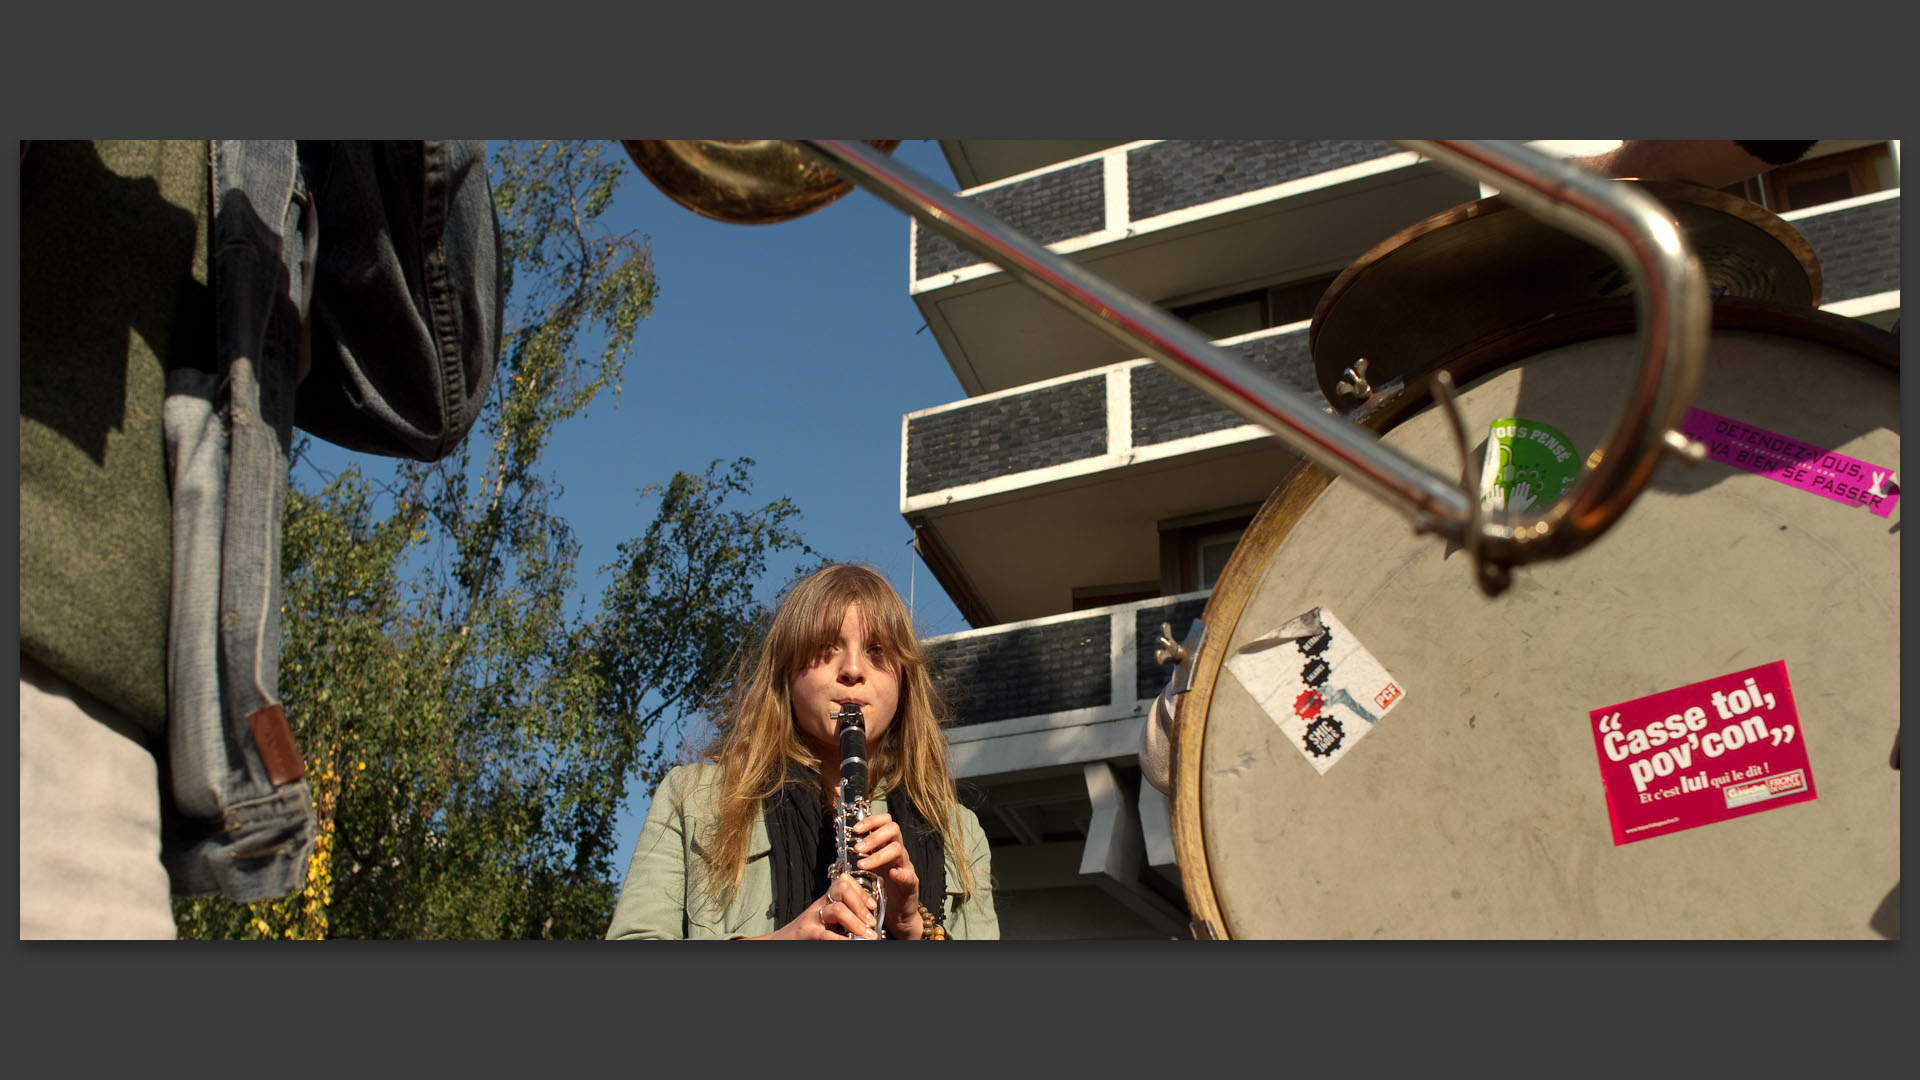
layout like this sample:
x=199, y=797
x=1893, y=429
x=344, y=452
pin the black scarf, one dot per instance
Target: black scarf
x=801, y=834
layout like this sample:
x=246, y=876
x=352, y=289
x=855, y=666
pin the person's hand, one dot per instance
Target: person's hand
x=883, y=851
x=846, y=911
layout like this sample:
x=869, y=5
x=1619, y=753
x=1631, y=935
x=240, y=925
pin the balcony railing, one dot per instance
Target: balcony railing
x=1109, y=417
x=1140, y=187
x=1082, y=679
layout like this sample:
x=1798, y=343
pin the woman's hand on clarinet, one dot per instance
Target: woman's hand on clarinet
x=883, y=851
x=846, y=911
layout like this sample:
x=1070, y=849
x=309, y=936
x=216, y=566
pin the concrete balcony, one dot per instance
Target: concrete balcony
x=1060, y=689
x=979, y=162
x=1017, y=498
x=1858, y=244
x=1048, y=717
x=1171, y=222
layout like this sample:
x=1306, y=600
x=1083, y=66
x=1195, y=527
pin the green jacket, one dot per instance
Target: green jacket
x=665, y=895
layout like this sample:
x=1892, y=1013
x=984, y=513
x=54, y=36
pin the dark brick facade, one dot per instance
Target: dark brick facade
x=1168, y=176
x=1166, y=408
x=1054, y=424
x=1858, y=249
x=1151, y=675
x=1067, y=421
x=1026, y=672
x=1037, y=670
x=1161, y=177
x=1049, y=208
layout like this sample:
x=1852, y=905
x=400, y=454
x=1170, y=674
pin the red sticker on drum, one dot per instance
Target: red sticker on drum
x=1718, y=749
x=1794, y=463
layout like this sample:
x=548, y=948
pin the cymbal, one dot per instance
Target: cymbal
x=1485, y=269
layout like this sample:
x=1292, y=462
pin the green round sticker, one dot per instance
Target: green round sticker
x=1528, y=466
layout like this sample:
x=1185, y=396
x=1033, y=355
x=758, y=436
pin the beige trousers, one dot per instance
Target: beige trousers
x=89, y=818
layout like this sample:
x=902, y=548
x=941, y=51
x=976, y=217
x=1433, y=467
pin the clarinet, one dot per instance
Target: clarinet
x=853, y=809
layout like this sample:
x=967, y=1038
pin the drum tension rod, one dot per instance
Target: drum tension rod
x=1493, y=578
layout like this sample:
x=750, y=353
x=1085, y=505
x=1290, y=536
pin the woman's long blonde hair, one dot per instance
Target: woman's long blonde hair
x=758, y=735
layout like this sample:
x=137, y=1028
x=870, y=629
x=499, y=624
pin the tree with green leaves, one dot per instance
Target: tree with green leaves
x=470, y=741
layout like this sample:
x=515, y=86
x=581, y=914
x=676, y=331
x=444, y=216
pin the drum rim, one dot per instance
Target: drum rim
x=1305, y=483
x=1297, y=491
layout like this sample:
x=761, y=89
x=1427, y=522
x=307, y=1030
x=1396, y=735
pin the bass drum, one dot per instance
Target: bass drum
x=1476, y=807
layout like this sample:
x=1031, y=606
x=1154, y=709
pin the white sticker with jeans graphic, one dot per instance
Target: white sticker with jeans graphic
x=1322, y=688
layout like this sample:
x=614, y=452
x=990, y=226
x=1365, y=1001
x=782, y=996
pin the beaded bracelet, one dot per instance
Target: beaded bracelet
x=931, y=930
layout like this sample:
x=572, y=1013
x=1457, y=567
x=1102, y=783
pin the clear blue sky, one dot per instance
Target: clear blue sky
x=795, y=345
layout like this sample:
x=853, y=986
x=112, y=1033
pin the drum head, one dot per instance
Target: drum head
x=1476, y=808
x=1477, y=271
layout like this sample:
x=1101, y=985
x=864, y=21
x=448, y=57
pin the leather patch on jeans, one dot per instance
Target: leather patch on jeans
x=274, y=736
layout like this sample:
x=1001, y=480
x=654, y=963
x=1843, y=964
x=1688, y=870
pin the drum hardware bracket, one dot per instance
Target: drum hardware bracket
x=1182, y=653
x=1379, y=398
x=1203, y=930
x=1355, y=384
x=1493, y=578
x=1157, y=735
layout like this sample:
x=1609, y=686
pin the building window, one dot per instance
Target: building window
x=1825, y=179
x=1295, y=302
x=1229, y=316
x=1255, y=309
x=1194, y=550
x=1211, y=555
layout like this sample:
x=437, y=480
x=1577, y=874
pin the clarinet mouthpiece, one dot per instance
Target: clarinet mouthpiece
x=853, y=749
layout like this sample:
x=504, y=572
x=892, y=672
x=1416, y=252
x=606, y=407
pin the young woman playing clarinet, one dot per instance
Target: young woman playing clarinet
x=832, y=716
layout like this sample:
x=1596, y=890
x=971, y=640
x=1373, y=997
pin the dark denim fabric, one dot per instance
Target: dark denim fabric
x=407, y=295
x=366, y=275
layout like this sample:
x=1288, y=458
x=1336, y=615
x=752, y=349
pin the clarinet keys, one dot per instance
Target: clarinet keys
x=852, y=809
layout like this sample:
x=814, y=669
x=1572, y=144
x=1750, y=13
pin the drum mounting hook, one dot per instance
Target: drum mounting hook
x=1492, y=577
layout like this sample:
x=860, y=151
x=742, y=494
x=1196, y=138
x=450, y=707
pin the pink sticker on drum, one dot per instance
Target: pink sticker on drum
x=1794, y=463
x=1718, y=749
x=1322, y=688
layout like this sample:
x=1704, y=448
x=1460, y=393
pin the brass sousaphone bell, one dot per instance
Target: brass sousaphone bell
x=741, y=181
